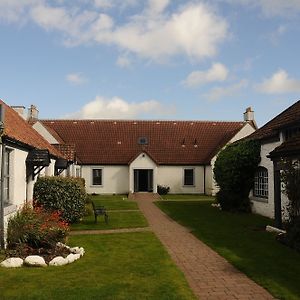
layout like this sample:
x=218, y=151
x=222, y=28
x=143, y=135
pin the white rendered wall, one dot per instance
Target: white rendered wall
x=143, y=161
x=115, y=179
x=208, y=180
x=173, y=176
x=44, y=133
x=265, y=206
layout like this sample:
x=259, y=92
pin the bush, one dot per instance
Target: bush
x=163, y=190
x=234, y=172
x=64, y=194
x=36, y=228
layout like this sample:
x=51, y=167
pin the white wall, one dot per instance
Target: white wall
x=38, y=126
x=265, y=206
x=208, y=180
x=143, y=161
x=173, y=177
x=115, y=179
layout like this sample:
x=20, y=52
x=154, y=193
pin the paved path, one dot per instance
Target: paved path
x=209, y=275
x=109, y=231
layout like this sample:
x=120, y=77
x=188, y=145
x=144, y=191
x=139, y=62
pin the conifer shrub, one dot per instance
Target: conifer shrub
x=234, y=172
x=64, y=194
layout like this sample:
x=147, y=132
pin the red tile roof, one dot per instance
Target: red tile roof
x=271, y=129
x=288, y=148
x=68, y=150
x=17, y=129
x=169, y=142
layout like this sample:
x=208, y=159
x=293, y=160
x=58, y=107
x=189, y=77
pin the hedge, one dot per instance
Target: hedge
x=64, y=194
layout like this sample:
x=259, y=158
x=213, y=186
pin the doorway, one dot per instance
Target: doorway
x=143, y=180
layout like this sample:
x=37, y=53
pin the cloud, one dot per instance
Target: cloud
x=222, y=92
x=193, y=30
x=76, y=78
x=123, y=62
x=279, y=83
x=118, y=108
x=217, y=72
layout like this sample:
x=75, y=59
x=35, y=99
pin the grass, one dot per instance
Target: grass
x=119, y=266
x=242, y=240
x=117, y=219
x=184, y=197
x=114, y=202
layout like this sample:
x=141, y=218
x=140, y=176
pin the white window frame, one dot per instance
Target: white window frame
x=261, y=183
x=7, y=180
x=92, y=176
x=189, y=185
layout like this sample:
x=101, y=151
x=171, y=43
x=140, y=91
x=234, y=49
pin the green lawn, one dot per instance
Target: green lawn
x=119, y=266
x=184, y=197
x=117, y=219
x=114, y=202
x=242, y=240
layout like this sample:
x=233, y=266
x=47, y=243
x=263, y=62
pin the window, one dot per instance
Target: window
x=143, y=141
x=97, y=176
x=6, y=182
x=188, y=177
x=77, y=172
x=261, y=183
x=292, y=132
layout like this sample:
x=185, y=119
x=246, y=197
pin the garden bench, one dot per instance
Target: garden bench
x=100, y=211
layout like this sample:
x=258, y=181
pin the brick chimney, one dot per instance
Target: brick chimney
x=20, y=110
x=33, y=113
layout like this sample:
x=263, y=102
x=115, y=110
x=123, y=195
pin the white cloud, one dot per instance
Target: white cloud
x=194, y=30
x=118, y=108
x=279, y=83
x=217, y=72
x=222, y=92
x=123, y=62
x=76, y=78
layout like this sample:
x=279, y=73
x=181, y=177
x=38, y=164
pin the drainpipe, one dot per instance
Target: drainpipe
x=2, y=243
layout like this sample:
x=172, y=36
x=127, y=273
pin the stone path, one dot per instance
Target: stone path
x=209, y=275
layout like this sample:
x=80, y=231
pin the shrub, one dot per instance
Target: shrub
x=163, y=190
x=36, y=228
x=64, y=194
x=234, y=172
x=291, y=178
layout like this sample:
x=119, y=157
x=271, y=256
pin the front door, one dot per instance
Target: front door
x=143, y=180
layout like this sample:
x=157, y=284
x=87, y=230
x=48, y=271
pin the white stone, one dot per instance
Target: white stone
x=76, y=256
x=75, y=250
x=35, y=261
x=274, y=229
x=58, y=261
x=71, y=258
x=81, y=251
x=12, y=262
x=62, y=245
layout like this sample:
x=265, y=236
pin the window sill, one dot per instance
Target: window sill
x=9, y=208
x=259, y=199
x=96, y=185
x=189, y=185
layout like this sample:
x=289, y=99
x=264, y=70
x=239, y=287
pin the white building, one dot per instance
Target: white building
x=279, y=138
x=117, y=156
x=24, y=154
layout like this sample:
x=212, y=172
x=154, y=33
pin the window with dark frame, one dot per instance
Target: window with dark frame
x=97, y=176
x=188, y=177
x=261, y=183
x=6, y=181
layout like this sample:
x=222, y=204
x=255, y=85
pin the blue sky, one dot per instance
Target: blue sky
x=152, y=59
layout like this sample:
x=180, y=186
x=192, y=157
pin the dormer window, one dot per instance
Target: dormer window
x=143, y=141
x=291, y=132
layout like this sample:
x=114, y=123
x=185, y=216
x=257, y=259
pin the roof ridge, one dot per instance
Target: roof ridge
x=140, y=120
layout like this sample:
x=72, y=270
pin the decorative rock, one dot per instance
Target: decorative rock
x=76, y=256
x=12, y=262
x=58, y=261
x=75, y=250
x=71, y=258
x=62, y=245
x=35, y=261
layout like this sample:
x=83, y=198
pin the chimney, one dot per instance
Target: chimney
x=249, y=115
x=33, y=113
x=20, y=110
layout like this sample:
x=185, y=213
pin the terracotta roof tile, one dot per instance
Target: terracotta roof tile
x=169, y=142
x=18, y=129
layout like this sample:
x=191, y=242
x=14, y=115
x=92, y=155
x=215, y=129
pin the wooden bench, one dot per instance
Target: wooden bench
x=100, y=211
